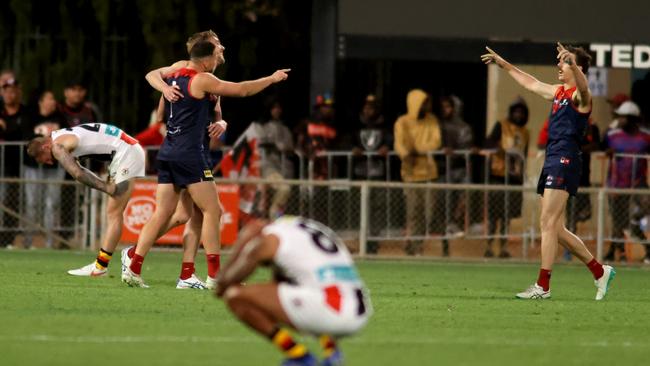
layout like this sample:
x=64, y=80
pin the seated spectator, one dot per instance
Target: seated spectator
x=417, y=134
x=626, y=172
x=42, y=120
x=372, y=136
x=510, y=139
x=276, y=148
x=12, y=118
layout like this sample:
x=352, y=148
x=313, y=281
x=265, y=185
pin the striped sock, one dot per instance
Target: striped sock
x=283, y=340
x=328, y=343
x=103, y=258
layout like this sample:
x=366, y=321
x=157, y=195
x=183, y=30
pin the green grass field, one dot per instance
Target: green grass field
x=426, y=313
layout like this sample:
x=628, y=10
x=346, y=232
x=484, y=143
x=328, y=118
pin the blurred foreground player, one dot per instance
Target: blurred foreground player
x=316, y=289
x=560, y=175
x=100, y=142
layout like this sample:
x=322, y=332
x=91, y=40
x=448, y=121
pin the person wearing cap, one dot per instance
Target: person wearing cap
x=12, y=117
x=626, y=172
x=614, y=103
x=318, y=134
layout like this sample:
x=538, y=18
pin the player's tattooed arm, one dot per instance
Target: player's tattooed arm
x=79, y=173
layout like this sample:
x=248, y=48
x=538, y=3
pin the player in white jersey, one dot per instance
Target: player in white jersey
x=316, y=290
x=102, y=142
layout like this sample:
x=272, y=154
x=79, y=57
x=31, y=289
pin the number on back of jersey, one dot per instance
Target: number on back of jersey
x=322, y=236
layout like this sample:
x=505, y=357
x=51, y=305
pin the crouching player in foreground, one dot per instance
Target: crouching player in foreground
x=101, y=142
x=316, y=289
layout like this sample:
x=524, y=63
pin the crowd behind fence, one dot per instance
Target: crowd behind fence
x=464, y=219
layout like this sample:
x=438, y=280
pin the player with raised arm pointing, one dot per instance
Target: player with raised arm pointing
x=102, y=142
x=560, y=175
x=181, y=161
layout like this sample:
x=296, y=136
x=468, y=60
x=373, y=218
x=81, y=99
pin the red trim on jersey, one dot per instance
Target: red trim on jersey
x=184, y=72
x=333, y=297
x=189, y=89
x=569, y=95
x=128, y=139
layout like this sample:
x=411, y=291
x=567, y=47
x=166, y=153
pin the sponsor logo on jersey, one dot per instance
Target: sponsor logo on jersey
x=565, y=161
x=549, y=180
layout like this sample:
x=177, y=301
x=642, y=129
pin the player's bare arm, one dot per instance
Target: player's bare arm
x=546, y=91
x=252, y=250
x=62, y=154
x=582, y=97
x=208, y=83
x=219, y=126
x=155, y=79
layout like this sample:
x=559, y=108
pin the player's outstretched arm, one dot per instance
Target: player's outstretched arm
x=79, y=173
x=209, y=83
x=155, y=79
x=546, y=91
x=582, y=85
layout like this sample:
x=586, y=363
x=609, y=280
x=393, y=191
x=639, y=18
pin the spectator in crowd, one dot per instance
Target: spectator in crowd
x=417, y=133
x=12, y=118
x=276, y=147
x=318, y=134
x=75, y=108
x=372, y=137
x=579, y=207
x=626, y=172
x=42, y=120
x=509, y=137
x=456, y=135
x=5, y=75
x=614, y=103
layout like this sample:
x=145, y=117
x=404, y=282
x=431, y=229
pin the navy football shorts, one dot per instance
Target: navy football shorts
x=563, y=174
x=183, y=173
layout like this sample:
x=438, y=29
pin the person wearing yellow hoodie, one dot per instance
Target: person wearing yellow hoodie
x=417, y=133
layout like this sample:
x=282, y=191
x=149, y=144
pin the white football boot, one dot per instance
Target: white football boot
x=603, y=283
x=211, y=283
x=126, y=261
x=192, y=282
x=535, y=291
x=133, y=280
x=90, y=270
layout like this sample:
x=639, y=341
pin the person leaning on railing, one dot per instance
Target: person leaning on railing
x=627, y=172
x=417, y=133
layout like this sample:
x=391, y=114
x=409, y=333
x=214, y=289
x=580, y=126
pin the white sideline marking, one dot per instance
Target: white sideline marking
x=197, y=339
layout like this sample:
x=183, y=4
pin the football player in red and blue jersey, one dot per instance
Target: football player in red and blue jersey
x=560, y=175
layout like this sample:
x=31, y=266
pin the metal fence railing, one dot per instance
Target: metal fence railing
x=383, y=217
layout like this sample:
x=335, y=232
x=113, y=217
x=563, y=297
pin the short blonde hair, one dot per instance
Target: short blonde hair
x=200, y=36
x=35, y=145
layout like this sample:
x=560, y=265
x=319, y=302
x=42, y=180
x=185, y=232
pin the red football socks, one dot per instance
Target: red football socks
x=544, y=279
x=136, y=263
x=187, y=270
x=131, y=252
x=596, y=268
x=213, y=264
